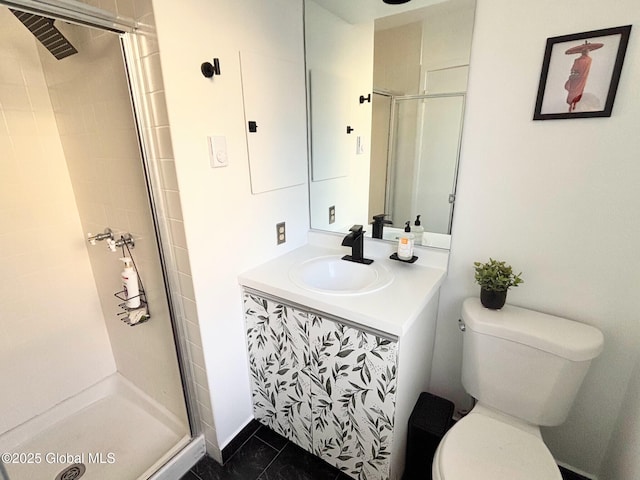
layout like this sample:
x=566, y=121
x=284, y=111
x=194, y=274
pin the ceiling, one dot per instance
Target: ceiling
x=360, y=11
x=420, y=14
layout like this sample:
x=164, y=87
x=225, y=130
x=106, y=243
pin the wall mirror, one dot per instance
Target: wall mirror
x=386, y=96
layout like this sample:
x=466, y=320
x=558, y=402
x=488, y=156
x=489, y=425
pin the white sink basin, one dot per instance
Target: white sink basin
x=332, y=275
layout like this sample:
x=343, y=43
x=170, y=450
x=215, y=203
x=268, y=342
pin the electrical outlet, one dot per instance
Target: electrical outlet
x=332, y=214
x=282, y=232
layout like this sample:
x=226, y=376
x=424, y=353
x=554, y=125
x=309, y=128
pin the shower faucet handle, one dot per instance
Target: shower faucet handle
x=106, y=235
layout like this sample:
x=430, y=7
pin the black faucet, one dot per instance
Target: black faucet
x=378, y=224
x=355, y=240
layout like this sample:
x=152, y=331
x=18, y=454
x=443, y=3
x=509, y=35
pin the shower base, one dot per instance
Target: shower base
x=115, y=430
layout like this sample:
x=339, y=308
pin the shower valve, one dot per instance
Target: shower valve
x=126, y=239
x=106, y=235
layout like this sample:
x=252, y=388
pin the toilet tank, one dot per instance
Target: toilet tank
x=524, y=363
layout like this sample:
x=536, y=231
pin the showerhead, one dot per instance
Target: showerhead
x=47, y=34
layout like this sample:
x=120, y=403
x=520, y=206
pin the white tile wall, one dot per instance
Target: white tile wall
x=53, y=340
x=102, y=153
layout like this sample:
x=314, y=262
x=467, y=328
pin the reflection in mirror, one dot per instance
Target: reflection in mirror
x=424, y=145
x=396, y=153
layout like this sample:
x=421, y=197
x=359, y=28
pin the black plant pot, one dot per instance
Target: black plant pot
x=492, y=299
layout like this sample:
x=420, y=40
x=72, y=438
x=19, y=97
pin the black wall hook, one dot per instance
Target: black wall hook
x=365, y=99
x=349, y=129
x=209, y=70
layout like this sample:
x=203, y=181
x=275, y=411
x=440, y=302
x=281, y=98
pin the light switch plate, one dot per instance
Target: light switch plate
x=332, y=214
x=218, y=156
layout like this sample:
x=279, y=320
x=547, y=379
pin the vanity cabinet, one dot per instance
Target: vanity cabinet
x=279, y=364
x=340, y=374
x=326, y=386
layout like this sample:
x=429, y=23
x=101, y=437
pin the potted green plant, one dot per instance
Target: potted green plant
x=495, y=278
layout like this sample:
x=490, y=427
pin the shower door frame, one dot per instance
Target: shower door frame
x=391, y=159
x=129, y=32
x=141, y=112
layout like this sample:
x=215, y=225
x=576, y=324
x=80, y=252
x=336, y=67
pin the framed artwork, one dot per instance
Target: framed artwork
x=580, y=74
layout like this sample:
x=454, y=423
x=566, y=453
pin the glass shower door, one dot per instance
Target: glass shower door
x=425, y=135
x=85, y=392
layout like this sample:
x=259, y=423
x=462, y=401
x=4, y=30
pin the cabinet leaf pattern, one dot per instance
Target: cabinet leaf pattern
x=327, y=387
x=279, y=355
x=353, y=393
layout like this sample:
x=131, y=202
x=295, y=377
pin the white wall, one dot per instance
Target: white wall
x=394, y=72
x=446, y=40
x=228, y=229
x=53, y=341
x=556, y=199
x=623, y=456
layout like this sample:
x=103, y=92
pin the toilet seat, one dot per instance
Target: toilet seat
x=483, y=447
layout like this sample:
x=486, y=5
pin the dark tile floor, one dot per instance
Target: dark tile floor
x=569, y=475
x=269, y=456
x=266, y=456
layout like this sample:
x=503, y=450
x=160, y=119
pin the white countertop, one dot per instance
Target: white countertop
x=391, y=310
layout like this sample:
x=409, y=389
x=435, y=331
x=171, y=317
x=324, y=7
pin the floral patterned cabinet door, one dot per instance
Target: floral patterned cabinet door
x=279, y=357
x=353, y=395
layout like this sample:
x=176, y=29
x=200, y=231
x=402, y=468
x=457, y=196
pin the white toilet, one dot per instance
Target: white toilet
x=524, y=368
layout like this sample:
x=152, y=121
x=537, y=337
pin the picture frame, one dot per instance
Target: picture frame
x=580, y=74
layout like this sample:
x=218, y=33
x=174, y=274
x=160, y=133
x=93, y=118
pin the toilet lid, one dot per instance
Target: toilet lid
x=483, y=448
